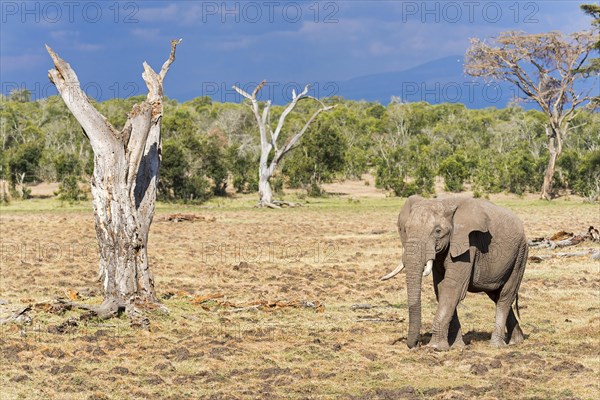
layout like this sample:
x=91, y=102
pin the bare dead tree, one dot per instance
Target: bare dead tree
x=544, y=67
x=269, y=147
x=126, y=165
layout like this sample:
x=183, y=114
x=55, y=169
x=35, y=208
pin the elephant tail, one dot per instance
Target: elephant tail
x=521, y=262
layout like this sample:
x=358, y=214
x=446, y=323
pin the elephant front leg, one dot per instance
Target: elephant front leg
x=450, y=292
x=455, y=338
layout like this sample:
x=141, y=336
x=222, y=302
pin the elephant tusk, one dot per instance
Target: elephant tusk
x=395, y=272
x=428, y=268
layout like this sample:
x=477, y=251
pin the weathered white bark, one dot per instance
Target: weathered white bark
x=264, y=187
x=124, y=182
x=269, y=138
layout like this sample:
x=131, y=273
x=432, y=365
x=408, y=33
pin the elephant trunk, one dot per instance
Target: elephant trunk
x=414, y=278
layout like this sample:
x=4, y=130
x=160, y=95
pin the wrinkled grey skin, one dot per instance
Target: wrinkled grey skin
x=475, y=246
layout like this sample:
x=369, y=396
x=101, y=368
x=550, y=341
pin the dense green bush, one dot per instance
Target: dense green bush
x=567, y=171
x=424, y=178
x=66, y=165
x=23, y=162
x=587, y=183
x=68, y=173
x=521, y=173
x=176, y=179
x=243, y=166
x=356, y=161
x=392, y=173
x=455, y=171
x=194, y=168
x=69, y=189
x=317, y=159
x=405, y=169
x=173, y=171
x=487, y=175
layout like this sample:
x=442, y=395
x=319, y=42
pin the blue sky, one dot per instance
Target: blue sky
x=247, y=41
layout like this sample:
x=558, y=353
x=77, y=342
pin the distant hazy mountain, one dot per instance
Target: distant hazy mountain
x=438, y=81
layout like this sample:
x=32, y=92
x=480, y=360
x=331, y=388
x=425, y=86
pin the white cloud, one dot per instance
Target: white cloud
x=158, y=14
x=345, y=28
x=72, y=39
x=22, y=62
x=378, y=49
x=64, y=34
x=146, y=34
x=87, y=46
x=240, y=43
x=180, y=14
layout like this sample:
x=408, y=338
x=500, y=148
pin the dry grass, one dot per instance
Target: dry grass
x=332, y=251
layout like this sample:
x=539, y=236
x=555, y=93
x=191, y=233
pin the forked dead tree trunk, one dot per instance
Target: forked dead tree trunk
x=126, y=165
x=270, y=152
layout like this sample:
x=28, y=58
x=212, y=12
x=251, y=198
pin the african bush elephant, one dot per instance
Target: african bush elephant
x=470, y=245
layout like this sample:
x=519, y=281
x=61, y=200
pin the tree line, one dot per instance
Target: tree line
x=211, y=148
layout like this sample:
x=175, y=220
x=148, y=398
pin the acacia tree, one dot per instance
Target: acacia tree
x=124, y=181
x=271, y=153
x=593, y=10
x=545, y=68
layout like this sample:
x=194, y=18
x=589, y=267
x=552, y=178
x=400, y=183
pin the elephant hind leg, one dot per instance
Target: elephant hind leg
x=504, y=299
x=514, y=333
x=498, y=334
x=505, y=319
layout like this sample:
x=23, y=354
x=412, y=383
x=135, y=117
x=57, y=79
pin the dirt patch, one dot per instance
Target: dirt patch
x=570, y=367
x=44, y=190
x=364, y=188
x=479, y=369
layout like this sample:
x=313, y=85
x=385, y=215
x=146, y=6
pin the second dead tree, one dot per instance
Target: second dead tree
x=271, y=153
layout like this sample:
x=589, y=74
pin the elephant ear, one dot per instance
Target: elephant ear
x=468, y=217
x=404, y=213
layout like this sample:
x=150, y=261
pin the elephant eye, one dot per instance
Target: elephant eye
x=438, y=231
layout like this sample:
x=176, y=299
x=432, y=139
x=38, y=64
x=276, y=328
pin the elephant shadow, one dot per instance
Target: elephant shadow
x=476, y=336
x=469, y=337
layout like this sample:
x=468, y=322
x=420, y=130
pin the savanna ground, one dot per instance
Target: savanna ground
x=325, y=259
